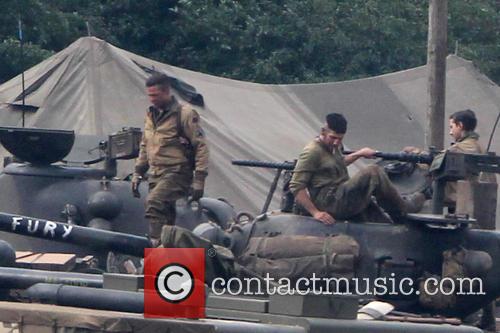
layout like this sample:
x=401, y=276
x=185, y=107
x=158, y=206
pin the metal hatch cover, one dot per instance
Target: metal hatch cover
x=37, y=146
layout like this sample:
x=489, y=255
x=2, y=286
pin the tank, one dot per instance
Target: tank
x=407, y=249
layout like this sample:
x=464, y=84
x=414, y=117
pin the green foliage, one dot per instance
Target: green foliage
x=268, y=41
x=475, y=25
x=298, y=41
x=10, y=57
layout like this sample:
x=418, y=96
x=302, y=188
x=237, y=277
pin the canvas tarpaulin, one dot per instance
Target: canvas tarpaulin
x=95, y=89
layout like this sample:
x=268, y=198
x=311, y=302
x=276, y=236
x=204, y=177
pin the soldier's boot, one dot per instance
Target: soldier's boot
x=414, y=202
x=159, y=213
x=155, y=227
x=401, y=206
x=389, y=198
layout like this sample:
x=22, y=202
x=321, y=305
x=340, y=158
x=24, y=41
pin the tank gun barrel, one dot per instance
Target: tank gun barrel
x=22, y=278
x=67, y=233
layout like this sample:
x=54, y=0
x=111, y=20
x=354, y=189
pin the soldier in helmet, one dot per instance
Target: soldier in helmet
x=322, y=186
x=173, y=151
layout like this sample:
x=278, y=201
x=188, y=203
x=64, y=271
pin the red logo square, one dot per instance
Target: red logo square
x=174, y=283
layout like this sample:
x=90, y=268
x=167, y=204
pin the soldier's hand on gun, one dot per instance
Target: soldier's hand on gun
x=367, y=152
x=136, y=181
x=324, y=217
x=411, y=149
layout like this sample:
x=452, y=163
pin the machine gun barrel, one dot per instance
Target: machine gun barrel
x=67, y=233
x=264, y=164
x=406, y=157
x=401, y=156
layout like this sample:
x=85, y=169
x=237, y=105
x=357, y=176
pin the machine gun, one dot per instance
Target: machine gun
x=457, y=166
x=425, y=158
x=454, y=166
x=401, y=156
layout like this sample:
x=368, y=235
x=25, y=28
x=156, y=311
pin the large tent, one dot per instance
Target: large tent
x=96, y=88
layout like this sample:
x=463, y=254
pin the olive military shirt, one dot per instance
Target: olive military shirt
x=319, y=171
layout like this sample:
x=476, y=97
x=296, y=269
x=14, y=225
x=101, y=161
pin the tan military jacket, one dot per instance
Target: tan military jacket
x=318, y=169
x=162, y=149
x=469, y=144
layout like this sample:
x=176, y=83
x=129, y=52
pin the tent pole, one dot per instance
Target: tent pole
x=436, y=66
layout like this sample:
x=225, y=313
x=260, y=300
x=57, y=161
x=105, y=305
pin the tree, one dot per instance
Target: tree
x=267, y=41
x=475, y=25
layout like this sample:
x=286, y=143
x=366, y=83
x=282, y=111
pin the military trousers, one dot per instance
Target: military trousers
x=355, y=195
x=164, y=191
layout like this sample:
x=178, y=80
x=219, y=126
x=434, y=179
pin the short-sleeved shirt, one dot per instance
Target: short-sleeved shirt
x=318, y=169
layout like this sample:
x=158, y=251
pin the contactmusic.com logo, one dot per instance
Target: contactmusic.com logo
x=174, y=282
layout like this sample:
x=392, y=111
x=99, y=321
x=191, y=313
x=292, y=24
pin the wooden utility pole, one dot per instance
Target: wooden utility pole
x=436, y=65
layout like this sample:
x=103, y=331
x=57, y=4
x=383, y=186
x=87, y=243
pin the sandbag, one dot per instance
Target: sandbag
x=300, y=246
x=431, y=297
x=453, y=263
x=296, y=257
x=453, y=268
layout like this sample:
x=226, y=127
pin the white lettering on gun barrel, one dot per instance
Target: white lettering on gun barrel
x=49, y=227
x=15, y=222
x=32, y=226
x=67, y=230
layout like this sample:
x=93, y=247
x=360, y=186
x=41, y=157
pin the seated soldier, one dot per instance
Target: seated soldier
x=321, y=184
x=462, y=126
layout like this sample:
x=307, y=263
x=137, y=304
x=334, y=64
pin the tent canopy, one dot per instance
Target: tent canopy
x=95, y=89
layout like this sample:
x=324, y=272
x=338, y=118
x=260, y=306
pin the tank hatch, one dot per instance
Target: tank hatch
x=37, y=146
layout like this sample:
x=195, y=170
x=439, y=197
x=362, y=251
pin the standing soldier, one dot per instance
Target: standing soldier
x=173, y=151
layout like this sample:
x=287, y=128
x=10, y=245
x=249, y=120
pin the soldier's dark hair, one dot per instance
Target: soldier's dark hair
x=158, y=79
x=466, y=117
x=336, y=122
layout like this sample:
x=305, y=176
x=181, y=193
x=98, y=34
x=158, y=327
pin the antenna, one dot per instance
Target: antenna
x=21, y=60
x=493, y=132
x=88, y=28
